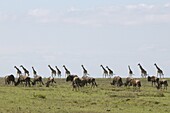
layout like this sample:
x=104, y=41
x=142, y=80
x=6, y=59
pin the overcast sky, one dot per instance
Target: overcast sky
x=116, y=33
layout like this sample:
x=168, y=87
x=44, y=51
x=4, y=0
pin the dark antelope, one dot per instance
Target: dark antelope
x=50, y=81
x=37, y=79
x=161, y=83
x=23, y=78
x=153, y=79
x=90, y=80
x=117, y=81
x=9, y=79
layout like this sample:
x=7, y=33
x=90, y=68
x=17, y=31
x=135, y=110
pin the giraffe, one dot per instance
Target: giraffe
x=26, y=72
x=143, y=71
x=130, y=71
x=58, y=72
x=110, y=72
x=159, y=71
x=105, y=72
x=53, y=71
x=34, y=72
x=85, y=73
x=67, y=72
x=18, y=71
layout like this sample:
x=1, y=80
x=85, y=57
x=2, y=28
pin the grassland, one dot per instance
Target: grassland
x=60, y=98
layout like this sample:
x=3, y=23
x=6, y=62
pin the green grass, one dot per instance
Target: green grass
x=60, y=98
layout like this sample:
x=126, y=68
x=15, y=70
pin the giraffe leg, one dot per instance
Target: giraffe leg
x=157, y=74
x=160, y=75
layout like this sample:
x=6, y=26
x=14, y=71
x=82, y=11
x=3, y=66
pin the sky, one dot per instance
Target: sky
x=114, y=33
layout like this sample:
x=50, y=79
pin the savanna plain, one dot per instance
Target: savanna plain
x=106, y=98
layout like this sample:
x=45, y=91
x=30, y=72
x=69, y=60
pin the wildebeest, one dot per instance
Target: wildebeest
x=50, y=80
x=76, y=83
x=153, y=79
x=9, y=79
x=163, y=82
x=89, y=80
x=128, y=81
x=23, y=78
x=37, y=79
x=117, y=81
x=136, y=83
x=70, y=77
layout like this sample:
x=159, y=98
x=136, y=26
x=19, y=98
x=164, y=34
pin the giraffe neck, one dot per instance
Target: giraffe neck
x=141, y=67
x=17, y=69
x=129, y=68
x=157, y=67
x=65, y=68
x=83, y=68
x=51, y=68
x=103, y=68
x=58, y=70
x=33, y=69
x=23, y=68
x=109, y=69
x=56, y=67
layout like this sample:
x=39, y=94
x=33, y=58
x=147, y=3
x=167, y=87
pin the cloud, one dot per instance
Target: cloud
x=159, y=18
x=125, y=15
x=135, y=14
x=140, y=6
x=40, y=15
x=39, y=12
x=167, y=5
x=7, y=17
x=73, y=9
